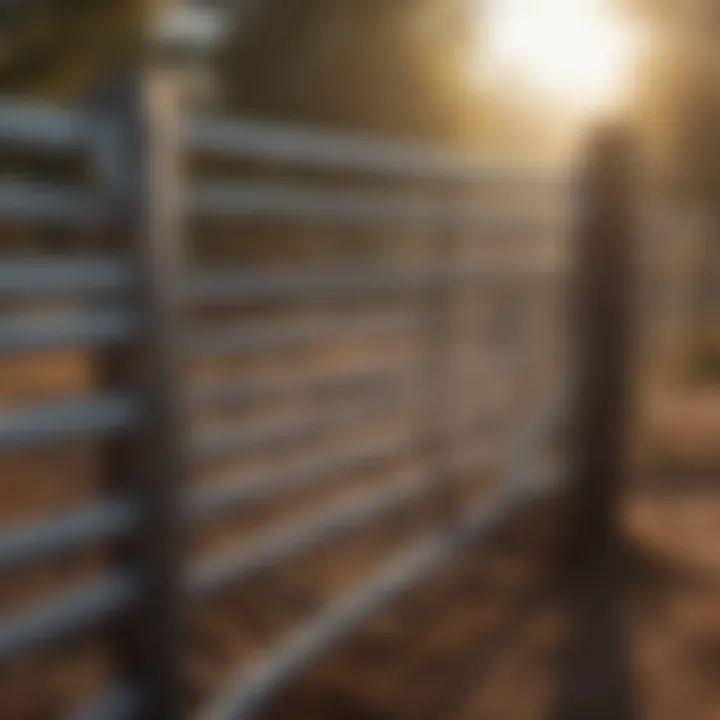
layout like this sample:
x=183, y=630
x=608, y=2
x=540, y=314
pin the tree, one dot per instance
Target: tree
x=370, y=64
x=679, y=109
x=57, y=47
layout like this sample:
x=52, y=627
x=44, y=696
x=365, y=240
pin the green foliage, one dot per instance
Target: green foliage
x=59, y=47
x=371, y=64
x=378, y=65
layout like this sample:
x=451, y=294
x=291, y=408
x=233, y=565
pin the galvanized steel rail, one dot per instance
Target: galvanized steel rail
x=129, y=299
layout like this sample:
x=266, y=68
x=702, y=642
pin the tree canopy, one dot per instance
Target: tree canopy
x=679, y=92
x=394, y=67
x=390, y=66
x=57, y=47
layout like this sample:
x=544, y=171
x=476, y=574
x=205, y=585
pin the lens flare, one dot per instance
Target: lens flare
x=576, y=52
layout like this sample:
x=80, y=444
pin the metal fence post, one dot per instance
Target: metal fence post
x=438, y=305
x=597, y=680
x=138, y=163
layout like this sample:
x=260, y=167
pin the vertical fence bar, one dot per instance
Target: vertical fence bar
x=138, y=160
x=438, y=305
x=597, y=678
x=451, y=261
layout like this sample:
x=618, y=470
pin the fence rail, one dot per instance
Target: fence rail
x=130, y=308
x=43, y=127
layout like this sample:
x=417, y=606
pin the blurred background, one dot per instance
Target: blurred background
x=359, y=359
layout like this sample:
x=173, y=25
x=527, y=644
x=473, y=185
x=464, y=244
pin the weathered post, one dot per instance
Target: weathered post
x=597, y=685
x=138, y=160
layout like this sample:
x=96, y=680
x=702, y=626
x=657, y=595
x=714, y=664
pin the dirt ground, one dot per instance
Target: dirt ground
x=485, y=638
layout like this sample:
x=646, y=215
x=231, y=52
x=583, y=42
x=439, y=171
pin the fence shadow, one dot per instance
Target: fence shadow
x=490, y=648
x=595, y=677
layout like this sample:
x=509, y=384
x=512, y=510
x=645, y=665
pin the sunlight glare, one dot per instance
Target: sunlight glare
x=576, y=52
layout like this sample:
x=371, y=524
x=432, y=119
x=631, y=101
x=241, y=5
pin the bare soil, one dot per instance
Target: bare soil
x=482, y=639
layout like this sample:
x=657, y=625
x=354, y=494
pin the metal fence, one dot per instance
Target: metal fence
x=147, y=310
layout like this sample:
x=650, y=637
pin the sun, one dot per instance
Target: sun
x=576, y=52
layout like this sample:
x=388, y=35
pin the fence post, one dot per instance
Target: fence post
x=597, y=680
x=138, y=163
x=438, y=318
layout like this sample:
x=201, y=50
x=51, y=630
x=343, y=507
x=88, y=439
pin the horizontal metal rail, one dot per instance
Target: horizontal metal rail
x=55, y=129
x=262, y=286
x=63, y=617
x=255, y=688
x=42, y=127
x=223, y=287
x=92, y=604
x=104, y=327
x=74, y=531
x=49, y=539
x=325, y=149
x=82, y=276
x=259, y=201
x=231, y=495
x=65, y=420
x=276, y=547
x=118, y=703
x=54, y=332
x=237, y=340
x=100, y=328
x=231, y=393
x=220, y=444
x=269, y=202
x=91, y=276
x=77, y=530
x=37, y=203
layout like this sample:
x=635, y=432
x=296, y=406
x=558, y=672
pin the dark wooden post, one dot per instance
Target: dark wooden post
x=138, y=161
x=597, y=678
x=603, y=315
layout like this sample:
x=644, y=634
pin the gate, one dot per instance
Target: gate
x=257, y=330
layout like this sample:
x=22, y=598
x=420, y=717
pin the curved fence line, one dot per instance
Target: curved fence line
x=255, y=688
x=127, y=311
